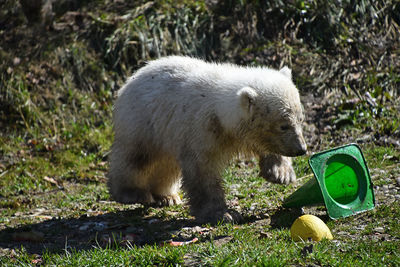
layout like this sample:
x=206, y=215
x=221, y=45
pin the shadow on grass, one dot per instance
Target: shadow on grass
x=284, y=218
x=115, y=229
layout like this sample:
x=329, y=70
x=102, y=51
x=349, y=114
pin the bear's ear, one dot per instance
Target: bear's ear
x=286, y=71
x=247, y=97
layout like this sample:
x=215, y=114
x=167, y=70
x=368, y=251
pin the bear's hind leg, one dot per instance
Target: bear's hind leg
x=165, y=181
x=128, y=178
x=277, y=169
x=206, y=195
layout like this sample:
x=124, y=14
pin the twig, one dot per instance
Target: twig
x=303, y=177
x=3, y=173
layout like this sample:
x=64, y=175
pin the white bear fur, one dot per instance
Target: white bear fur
x=183, y=117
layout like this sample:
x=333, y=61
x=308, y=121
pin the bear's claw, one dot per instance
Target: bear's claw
x=277, y=169
x=133, y=195
x=230, y=216
x=170, y=200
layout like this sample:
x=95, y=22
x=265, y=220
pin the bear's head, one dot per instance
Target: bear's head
x=274, y=115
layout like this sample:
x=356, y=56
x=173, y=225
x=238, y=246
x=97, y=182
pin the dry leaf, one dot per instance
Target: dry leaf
x=50, y=180
x=182, y=243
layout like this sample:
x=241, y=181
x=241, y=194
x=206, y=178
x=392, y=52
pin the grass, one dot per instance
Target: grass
x=263, y=240
x=56, y=92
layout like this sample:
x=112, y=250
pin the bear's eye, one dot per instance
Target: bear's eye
x=285, y=127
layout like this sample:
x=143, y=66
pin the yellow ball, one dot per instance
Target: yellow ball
x=309, y=226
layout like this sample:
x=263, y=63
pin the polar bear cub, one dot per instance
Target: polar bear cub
x=178, y=121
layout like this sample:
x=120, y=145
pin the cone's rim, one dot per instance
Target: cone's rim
x=349, y=156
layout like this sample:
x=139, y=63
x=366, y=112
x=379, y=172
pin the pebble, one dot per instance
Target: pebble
x=234, y=186
x=99, y=226
x=151, y=221
x=16, y=61
x=84, y=227
x=398, y=181
x=385, y=187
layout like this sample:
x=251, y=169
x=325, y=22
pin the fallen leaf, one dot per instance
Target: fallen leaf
x=44, y=217
x=37, y=261
x=182, y=243
x=354, y=76
x=50, y=180
x=32, y=142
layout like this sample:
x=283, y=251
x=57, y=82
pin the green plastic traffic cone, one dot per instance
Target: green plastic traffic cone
x=341, y=182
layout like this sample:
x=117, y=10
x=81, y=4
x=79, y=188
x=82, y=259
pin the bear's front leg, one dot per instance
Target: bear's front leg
x=206, y=196
x=277, y=169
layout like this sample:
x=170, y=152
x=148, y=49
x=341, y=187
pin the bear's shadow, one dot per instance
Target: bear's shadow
x=285, y=217
x=122, y=228
x=112, y=230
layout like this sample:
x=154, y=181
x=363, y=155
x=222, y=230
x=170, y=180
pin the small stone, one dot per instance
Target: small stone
x=235, y=186
x=16, y=61
x=152, y=221
x=99, y=226
x=84, y=227
x=398, y=181
x=198, y=229
x=385, y=187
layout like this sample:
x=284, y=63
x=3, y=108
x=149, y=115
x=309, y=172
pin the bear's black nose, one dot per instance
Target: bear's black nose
x=301, y=150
